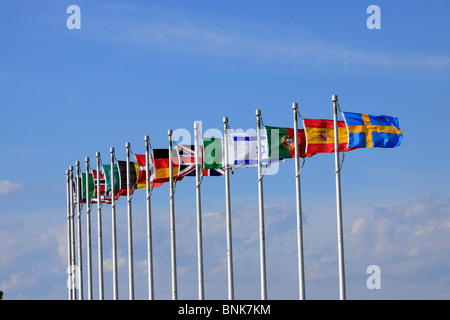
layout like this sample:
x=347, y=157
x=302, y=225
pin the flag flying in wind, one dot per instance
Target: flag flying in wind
x=367, y=131
x=142, y=178
x=162, y=173
x=281, y=142
x=320, y=136
x=242, y=151
x=104, y=198
x=119, y=190
x=187, y=162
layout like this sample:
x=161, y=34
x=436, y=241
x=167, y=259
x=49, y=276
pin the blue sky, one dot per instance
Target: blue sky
x=140, y=68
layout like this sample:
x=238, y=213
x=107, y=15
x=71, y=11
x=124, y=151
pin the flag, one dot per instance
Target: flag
x=83, y=186
x=367, y=131
x=214, y=154
x=162, y=173
x=105, y=197
x=281, y=142
x=320, y=136
x=119, y=190
x=242, y=151
x=186, y=154
x=142, y=178
x=133, y=175
x=187, y=162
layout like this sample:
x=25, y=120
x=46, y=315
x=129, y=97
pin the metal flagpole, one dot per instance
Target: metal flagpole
x=149, y=220
x=88, y=231
x=198, y=172
x=334, y=98
x=73, y=269
x=69, y=237
x=172, y=222
x=228, y=214
x=114, y=240
x=80, y=250
x=130, y=229
x=301, y=271
x=100, y=242
x=262, y=247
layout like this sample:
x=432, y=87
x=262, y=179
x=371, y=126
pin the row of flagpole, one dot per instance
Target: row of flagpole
x=74, y=210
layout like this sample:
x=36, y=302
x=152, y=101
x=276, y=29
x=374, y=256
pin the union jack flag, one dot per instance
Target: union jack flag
x=186, y=155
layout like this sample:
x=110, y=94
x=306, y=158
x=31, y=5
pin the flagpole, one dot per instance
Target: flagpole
x=228, y=214
x=130, y=229
x=301, y=272
x=73, y=269
x=100, y=242
x=334, y=98
x=80, y=253
x=113, y=223
x=172, y=222
x=149, y=220
x=198, y=172
x=88, y=231
x=69, y=237
x=262, y=247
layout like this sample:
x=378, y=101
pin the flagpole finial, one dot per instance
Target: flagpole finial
x=258, y=112
x=225, y=119
x=169, y=132
x=127, y=145
x=86, y=159
x=97, y=154
x=294, y=105
x=77, y=163
x=334, y=98
x=146, y=138
x=195, y=125
x=71, y=168
x=111, y=149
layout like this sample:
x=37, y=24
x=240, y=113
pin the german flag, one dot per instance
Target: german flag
x=320, y=136
x=161, y=157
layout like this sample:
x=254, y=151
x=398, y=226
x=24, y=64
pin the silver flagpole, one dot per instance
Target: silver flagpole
x=262, y=246
x=149, y=220
x=228, y=214
x=301, y=271
x=130, y=229
x=73, y=269
x=113, y=223
x=100, y=242
x=172, y=222
x=80, y=250
x=334, y=98
x=88, y=231
x=198, y=172
x=69, y=237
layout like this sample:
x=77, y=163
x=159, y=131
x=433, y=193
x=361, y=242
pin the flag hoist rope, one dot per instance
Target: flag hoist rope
x=113, y=218
x=198, y=181
x=228, y=213
x=262, y=246
x=172, y=221
x=342, y=290
x=149, y=189
x=99, y=228
x=301, y=269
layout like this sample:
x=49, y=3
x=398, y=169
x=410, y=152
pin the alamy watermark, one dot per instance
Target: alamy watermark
x=74, y=20
x=374, y=280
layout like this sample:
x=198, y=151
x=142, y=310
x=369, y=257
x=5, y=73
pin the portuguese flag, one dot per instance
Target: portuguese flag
x=281, y=142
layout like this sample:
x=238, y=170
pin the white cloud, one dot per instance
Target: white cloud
x=8, y=187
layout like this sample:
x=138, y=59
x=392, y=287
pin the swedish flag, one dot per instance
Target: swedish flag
x=367, y=131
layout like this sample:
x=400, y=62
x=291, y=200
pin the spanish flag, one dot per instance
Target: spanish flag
x=320, y=136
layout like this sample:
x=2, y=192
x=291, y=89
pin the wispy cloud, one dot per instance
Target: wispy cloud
x=8, y=187
x=181, y=34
